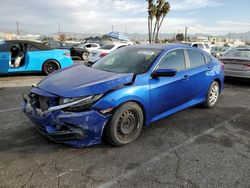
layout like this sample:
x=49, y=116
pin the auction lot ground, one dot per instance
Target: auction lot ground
x=197, y=147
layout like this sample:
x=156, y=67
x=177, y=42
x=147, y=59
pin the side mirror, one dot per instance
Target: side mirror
x=164, y=73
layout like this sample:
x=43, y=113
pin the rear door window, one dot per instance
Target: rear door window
x=107, y=47
x=196, y=58
x=173, y=60
x=207, y=58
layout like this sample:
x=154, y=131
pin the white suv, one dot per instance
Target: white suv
x=202, y=46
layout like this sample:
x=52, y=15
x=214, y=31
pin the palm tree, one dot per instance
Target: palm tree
x=164, y=8
x=159, y=12
x=151, y=15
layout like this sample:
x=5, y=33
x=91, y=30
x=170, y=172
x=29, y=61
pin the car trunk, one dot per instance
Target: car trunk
x=236, y=64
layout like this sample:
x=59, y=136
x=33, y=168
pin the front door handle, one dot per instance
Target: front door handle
x=209, y=68
x=185, y=77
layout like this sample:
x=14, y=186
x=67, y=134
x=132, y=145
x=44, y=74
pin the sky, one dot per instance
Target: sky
x=214, y=17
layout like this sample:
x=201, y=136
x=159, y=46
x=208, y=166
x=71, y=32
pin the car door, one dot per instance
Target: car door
x=199, y=73
x=20, y=53
x=167, y=93
x=4, y=62
x=33, y=58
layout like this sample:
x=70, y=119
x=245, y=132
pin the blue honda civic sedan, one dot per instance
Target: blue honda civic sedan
x=19, y=56
x=131, y=87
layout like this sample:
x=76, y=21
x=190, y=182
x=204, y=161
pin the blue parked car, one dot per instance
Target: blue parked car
x=131, y=87
x=27, y=56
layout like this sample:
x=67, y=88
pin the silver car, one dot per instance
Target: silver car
x=218, y=51
x=237, y=63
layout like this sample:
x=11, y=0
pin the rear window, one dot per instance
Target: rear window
x=107, y=47
x=238, y=53
x=196, y=58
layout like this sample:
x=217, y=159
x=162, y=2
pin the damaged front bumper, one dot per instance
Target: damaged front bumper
x=74, y=128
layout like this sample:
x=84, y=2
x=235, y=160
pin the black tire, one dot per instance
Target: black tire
x=125, y=124
x=212, y=95
x=85, y=56
x=50, y=66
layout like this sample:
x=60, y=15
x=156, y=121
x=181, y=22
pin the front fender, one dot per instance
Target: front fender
x=139, y=94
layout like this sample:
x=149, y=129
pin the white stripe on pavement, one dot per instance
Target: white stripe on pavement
x=10, y=109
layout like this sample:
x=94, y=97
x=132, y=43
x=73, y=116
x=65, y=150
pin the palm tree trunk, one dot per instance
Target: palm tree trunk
x=153, y=37
x=149, y=30
x=158, y=28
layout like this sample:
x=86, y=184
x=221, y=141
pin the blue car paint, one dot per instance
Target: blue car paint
x=91, y=122
x=91, y=82
x=4, y=62
x=34, y=60
x=150, y=94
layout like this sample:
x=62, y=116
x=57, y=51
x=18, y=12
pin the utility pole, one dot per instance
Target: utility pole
x=112, y=28
x=17, y=28
x=186, y=31
x=59, y=30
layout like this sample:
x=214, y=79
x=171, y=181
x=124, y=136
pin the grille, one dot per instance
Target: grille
x=43, y=102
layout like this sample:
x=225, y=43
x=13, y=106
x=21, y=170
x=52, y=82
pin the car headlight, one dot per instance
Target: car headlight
x=76, y=103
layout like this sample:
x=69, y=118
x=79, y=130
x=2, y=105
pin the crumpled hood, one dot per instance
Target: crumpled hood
x=80, y=80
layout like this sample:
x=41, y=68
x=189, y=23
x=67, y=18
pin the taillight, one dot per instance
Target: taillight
x=67, y=54
x=247, y=65
x=103, y=54
x=222, y=64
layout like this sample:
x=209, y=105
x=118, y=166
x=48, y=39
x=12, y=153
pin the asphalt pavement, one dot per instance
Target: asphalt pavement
x=197, y=147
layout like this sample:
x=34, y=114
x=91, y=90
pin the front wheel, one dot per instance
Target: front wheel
x=50, y=66
x=212, y=95
x=125, y=125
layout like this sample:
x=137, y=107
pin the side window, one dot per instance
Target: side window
x=32, y=48
x=120, y=47
x=200, y=46
x=207, y=58
x=196, y=58
x=88, y=46
x=206, y=45
x=173, y=60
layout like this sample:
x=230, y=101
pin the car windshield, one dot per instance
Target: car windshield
x=238, y=53
x=128, y=60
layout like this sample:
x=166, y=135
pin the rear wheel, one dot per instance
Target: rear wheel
x=212, y=95
x=50, y=66
x=85, y=56
x=125, y=125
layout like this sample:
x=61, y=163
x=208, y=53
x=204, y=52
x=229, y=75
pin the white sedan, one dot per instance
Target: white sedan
x=95, y=55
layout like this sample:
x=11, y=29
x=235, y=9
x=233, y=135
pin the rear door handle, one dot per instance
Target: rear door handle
x=185, y=77
x=209, y=68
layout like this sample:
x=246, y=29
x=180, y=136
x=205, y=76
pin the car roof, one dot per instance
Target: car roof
x=168, y=46
x=39, y=45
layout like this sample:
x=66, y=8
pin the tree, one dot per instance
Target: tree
x=151, y=15
x=180, y=37
x=156, y=13
x=62, y=37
